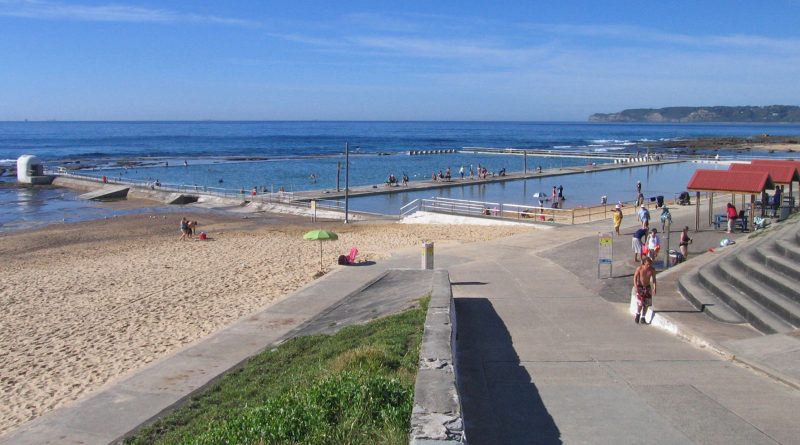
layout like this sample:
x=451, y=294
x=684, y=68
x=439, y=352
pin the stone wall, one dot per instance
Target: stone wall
x=436, y=417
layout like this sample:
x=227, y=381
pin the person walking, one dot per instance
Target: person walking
x=554, y=198
x=644, y=281
x=683, y=243
x=666, y=218
x=636, y=244
x=461, y=172
x=776, y=201
x=732, y=215
x=644, y=216
x=184, y=229
x=617, y=215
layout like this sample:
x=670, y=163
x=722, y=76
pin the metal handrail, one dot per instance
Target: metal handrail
x=409, y=208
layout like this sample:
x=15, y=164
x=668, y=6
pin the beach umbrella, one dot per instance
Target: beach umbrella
x=320, y=235
x=540, y=195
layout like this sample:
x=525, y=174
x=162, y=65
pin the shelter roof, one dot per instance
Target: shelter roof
x=776, y=162
x=730, y=181
x=779, y=173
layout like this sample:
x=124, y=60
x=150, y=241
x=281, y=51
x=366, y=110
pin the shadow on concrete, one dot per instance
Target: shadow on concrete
x=501, y=403
x=468, y=283
x=677, y=311
x=363, y=263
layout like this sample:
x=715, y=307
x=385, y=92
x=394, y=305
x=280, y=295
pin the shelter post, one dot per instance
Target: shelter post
x=697, y=212
x=710, y=208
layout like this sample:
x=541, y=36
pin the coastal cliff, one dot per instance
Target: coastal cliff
x=771, y=113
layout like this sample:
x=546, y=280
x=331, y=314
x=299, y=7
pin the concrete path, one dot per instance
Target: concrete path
x=544, y=359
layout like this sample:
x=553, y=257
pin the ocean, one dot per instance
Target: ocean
x=307, y=155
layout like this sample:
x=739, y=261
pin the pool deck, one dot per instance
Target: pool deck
x=383, y=189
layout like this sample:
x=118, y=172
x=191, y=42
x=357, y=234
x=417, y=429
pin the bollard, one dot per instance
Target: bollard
x=427, y=255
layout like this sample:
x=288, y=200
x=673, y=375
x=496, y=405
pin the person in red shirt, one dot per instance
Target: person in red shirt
x=732, y=215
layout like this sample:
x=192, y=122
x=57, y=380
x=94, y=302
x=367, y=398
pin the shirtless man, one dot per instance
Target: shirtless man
x=642, y=279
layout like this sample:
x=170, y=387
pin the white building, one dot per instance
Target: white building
x=30, y=170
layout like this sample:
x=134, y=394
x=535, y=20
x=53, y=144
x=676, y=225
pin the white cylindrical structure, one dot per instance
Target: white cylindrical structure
x=427, y=255
x=28, y=167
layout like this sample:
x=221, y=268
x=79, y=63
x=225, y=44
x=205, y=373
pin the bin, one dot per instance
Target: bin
x=786, y=210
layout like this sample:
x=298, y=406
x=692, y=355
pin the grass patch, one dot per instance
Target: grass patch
x=354, y=387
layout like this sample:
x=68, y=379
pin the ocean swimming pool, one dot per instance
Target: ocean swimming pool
x=580, y=189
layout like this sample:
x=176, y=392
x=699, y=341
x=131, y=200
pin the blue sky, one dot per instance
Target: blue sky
x=375, y=60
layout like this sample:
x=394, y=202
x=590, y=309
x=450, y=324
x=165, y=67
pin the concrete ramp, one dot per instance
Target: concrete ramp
x=107, y=192
x=181, y=198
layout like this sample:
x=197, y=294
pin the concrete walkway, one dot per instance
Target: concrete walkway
x=549, y=354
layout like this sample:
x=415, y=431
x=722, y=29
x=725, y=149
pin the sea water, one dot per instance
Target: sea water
x=308, y=155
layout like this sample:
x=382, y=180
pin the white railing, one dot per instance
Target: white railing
x=409, y=208
x=519, y=212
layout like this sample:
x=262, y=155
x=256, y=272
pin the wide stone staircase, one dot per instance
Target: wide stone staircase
x=757, y=283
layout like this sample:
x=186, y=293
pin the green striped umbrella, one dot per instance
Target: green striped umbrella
x=320, y=235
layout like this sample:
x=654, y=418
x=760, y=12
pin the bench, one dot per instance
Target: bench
x=721, y=219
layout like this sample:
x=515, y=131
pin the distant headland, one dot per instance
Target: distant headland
x=771, y=113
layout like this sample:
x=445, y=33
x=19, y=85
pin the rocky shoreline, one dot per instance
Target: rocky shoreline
x=762, y=142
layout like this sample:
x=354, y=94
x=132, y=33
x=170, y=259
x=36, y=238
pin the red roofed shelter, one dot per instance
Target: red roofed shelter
x=726, y=181
x=781, y=162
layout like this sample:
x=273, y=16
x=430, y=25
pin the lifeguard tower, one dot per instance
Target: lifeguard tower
x=30, y=170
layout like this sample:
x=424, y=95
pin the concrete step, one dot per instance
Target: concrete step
x=704, y=300
x=713, y=279
x=770, y=257
x=742, y=272
x=181, y=198
x=107, y=192
x=788, y=251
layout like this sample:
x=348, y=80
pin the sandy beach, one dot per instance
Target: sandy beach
x=87, y=303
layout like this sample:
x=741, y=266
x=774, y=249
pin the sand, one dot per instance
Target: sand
x=85, y=304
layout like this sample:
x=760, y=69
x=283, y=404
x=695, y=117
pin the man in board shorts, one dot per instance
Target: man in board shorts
x=644, y=281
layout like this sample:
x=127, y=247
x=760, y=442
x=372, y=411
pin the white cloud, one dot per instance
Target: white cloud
x=640, y=34
x=449, y=49
x=45, y=10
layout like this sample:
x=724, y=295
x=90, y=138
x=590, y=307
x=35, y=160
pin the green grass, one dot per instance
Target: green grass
x=355, y=387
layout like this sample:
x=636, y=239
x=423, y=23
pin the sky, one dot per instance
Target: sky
x=400, y=60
